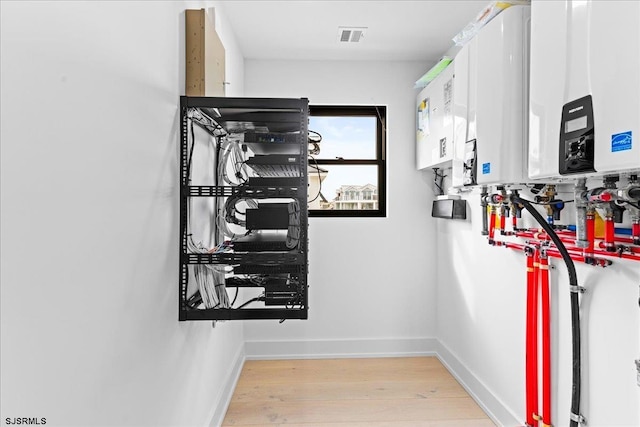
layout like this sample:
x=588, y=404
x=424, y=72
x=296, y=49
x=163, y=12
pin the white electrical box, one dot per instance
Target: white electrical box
x=584, y=112
x=434, y=136
x=490, y=103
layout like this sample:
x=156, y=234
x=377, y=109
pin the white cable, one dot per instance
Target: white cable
x=210, y=279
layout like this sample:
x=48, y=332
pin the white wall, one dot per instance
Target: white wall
x=90, y=128
x=371, y=279
x=481, y=308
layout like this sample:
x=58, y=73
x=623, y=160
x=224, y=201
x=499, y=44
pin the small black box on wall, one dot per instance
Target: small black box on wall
x=449, y=208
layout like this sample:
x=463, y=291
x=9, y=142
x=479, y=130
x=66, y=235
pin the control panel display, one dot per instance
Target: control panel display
x=577, y=137
x=575, y=124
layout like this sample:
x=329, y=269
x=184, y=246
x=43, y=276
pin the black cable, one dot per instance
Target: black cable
x=437, y=177
x=193, y=144
x=260, y=298
x=235, y=297
x=575, y=307
x=314, y=140
x=635, y=205
x=319, y=180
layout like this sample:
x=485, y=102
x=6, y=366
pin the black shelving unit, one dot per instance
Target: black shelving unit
x=256, y=267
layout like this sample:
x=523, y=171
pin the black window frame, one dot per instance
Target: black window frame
x=379, y=112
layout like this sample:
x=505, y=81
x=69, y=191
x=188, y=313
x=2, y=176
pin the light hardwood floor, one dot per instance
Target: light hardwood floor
x=393, y=392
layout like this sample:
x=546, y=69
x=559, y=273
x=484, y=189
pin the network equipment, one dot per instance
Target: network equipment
x=243, y=208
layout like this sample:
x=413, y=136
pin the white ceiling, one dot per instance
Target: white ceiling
x=397, y=30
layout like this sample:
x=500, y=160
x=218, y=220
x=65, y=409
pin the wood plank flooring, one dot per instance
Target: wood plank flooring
x=384, y=392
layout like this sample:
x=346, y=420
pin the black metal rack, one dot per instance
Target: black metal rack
x=270, y=136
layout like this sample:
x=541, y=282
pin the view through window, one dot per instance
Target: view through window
x=347, y=171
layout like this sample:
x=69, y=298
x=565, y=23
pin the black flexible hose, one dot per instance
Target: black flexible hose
x=575, y=307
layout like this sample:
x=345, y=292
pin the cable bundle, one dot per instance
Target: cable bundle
x=293, y=231
x=210, y=279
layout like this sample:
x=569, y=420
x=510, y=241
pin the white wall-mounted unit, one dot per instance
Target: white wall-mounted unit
x=434, y=136
x=585, y=88
x=490, y=103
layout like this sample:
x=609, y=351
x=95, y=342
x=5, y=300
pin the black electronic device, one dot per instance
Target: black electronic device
x=275, y=182
x=259, y=242
x=272, y=143
x=449, y=208
x=276, y=165
x=268, y=216
x=576, y=151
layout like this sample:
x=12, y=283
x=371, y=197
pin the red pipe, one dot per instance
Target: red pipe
x=579, y=251
x=635, y=231
x=503, y=220
x=534, y=334
x=621, y=239
x=546, y=341
x=632, y=249
x=517, y=246
x=542, y=236
x=609, y=234
x=514, y=223
x=591, y=229
x=555, y=254
x=530, y=368
x=575, y=251
x=492, y=224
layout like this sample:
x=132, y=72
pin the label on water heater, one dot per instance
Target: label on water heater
x=621, y=141
x=486, y=168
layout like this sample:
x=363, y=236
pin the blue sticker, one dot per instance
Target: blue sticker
x=621, y=141
x=486, y=168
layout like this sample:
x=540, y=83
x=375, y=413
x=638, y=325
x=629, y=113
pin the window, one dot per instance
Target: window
x=347, y=169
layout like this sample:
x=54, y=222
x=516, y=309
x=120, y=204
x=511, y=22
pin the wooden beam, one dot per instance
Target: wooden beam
x=205, y=56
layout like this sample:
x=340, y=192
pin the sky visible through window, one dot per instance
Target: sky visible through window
x=349, y=138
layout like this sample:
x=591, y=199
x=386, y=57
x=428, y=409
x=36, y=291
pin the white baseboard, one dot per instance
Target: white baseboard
x=224, y=397
x=325, y=349
x=494, y=407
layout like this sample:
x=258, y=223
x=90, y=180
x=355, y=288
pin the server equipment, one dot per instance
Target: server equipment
x=243, y=208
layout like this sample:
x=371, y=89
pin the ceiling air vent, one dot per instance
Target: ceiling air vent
x=350, y=34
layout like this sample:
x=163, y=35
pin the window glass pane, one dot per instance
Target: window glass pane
x=349, y=137
x=345, y=187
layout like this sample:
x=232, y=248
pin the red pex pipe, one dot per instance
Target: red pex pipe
x=609, y=234
x=516, y=246
x=591, y=230
x=635, y=231
x=514, y=223
x=574, y=252
x=492, y=225
x=534, y=334
x=546, y=341
x=530, y=368
x=542, y=236
x=503, y=220
x=621, y=239
x=634, y=250
x=579, y=251
x=554, y=253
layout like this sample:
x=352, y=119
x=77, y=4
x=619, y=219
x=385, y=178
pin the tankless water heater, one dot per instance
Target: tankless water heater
x=434, y=138
x=490, y=103
x=584, y=110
